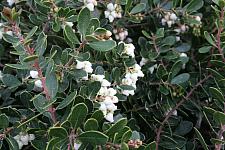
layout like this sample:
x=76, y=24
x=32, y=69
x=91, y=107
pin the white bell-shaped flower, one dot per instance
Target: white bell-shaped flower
x=34, y=74
x=109, y=117
x=38, y=84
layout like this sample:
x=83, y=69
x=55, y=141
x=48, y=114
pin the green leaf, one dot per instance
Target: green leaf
x=4, y=121
x=177, y=66
x=67, y=100
x=151, y=146
x=93, y=137
x=58, y=132
x=194, y=5
x=41, y=44
x=169, y=40
x=84, y=18
x=10, y=80
x=52, y=144
x=219, y=117
x=217, y=94
x=184, y=128
x=204, y=49
x=91, y=124
x=19, y=66
x=119, y=125
x=160, y=33
x=31, y=33
x=138, y=8
x=201, y=139
x=78, y=115
x=184, y=47
x=126, y=136
x=103, y=45
x=30, y=58
x=184, y=77
x=10, y=39
x=209, y=38
x=52, y=84
x=71, y=35
x=13, y=145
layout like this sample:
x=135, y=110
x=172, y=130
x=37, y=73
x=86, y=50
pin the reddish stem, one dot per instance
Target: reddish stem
x=36, y=65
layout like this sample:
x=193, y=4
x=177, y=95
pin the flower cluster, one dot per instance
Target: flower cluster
x=120, y=33
x=106, y=97
x=113, y=11
x=128, y=49
x=90, y=4
x=169, y=19
x=34, y=75
x=131, y=78
x=86, y=66
x=23, y=139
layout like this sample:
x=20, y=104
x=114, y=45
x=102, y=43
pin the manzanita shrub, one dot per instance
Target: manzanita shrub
x=112, y=75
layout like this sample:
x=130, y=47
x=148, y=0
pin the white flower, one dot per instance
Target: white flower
x=120, y=34
x=197, y=18
x=20, y=144
x=31, y=137
x=99, y=78
x=183, y=55
x=115, y=99
x=108, y=33
x=9, y=33
x=128, y=92
x=163, y=21
x=11, y=2
x=152, y=68
x=132, y=76
x=127, y=81
x=84, y=65
x=77, y=146
x=183, y=28
x=38, y=84
x=110, y=7
x=103, y=108
x=107, y=101
x=105, y=82
x=129, y=49
x=173, y=16
x=112, y=12
x=17, y=137
x=169, y=23
x=111, y=18
x=90, y=6
x=111, y=92
x=34, y=74
x=177, y=38
x=24, y=139
x=111, y=107
x=1, y=75
x=103, y=91
x=143, y=61
x=69, y=24
x=174, y=112
x=109, y=117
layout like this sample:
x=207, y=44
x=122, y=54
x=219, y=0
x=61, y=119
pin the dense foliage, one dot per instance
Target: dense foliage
x=112, y=75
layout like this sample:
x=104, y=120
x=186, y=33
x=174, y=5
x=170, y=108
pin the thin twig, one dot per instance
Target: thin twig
x=176, y=107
